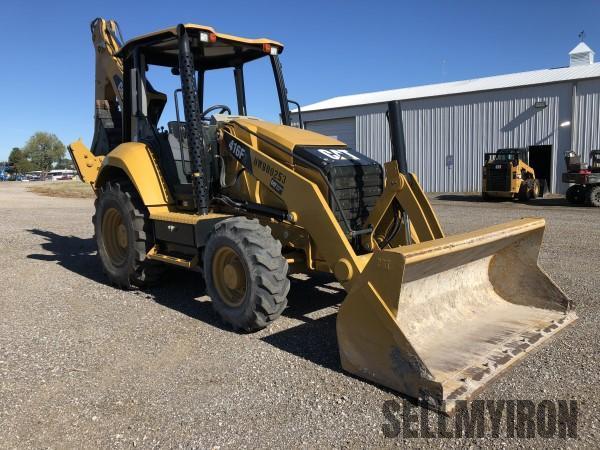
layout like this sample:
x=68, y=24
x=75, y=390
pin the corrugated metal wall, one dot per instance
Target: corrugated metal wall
x=447, y=137
x=343, y=129
x=586, y=117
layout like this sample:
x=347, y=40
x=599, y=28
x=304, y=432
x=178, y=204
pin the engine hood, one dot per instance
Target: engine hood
x=288, y=137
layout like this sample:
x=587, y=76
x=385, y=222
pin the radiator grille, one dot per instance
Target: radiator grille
x=498, y=179
x=357, y=188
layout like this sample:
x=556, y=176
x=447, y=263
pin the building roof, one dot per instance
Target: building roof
x=581, y=48
x=460, y=87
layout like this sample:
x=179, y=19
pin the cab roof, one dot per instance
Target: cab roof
x=221, y=50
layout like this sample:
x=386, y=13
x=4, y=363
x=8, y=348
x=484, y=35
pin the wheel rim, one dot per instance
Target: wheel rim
x=114, y=236
x=229, y=276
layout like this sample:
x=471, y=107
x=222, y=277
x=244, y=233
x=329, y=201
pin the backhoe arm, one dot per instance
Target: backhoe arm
x=109, y=68
x=109, y=86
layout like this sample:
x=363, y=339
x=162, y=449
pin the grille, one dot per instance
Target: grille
x=498, y=179
x=357, y=188
x=356, y=179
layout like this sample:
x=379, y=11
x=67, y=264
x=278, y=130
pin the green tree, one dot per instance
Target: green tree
x=43, y=150
x=19, y=163
x=64, y=163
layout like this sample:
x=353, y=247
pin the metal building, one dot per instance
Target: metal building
x=449, y=126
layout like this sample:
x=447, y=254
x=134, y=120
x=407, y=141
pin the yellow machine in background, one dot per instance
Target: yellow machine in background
x=506, y=174
x=246, y=201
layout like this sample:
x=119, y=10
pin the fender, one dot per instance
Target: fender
x=132, y=158
x=138, y=163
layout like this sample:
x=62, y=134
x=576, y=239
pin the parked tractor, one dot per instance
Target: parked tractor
x=585, y=179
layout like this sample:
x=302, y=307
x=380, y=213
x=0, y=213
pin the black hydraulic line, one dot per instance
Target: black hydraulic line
x=255, y=208
x=268, y=211
x=191, y=106
x=394, y=115
x=394, y=230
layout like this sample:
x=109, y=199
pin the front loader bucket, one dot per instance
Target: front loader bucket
x=438, y=320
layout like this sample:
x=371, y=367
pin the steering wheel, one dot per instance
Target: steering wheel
x=221, y=108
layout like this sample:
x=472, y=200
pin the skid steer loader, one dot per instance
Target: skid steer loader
x=507, y=174
x=245, y=202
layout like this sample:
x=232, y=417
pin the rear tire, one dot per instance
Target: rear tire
x=525, y=191
x=123, y=234
x=575, y=194
x=245, y=274
x=536, y=189
x=592, y=196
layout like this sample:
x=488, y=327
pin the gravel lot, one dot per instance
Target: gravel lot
x=85, y=365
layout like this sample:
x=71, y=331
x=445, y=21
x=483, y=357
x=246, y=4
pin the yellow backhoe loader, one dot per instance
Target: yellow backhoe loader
x=245, y=202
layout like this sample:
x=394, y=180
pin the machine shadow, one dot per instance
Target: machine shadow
x=475, y=198
x=313, y=300
x=71, y=252
x=315, y=338
x=182, y=291
x=179, y=291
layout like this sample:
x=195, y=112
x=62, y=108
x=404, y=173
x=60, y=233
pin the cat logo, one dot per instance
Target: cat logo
x=338, y=155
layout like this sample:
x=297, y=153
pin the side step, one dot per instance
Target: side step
x=153, y=254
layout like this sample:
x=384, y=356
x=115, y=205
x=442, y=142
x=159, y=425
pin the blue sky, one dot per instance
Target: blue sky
x=332, y=48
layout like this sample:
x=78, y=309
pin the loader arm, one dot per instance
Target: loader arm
x=407, y=192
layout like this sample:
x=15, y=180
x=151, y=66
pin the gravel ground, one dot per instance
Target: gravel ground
x=85, y=365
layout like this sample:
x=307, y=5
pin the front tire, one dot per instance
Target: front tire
x=575, y=194
x=524, y=194
x=123, y=234
x=536, y=189
x=245, y=274
x=592, y=196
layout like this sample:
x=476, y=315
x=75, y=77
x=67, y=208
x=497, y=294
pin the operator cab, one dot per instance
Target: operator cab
x=504, y=155
x=143, y=106
x=595, y=161
x=575, y=165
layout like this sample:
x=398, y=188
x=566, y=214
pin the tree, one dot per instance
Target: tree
x=43, y=150
x=64, y=163
x=18, y=162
